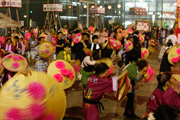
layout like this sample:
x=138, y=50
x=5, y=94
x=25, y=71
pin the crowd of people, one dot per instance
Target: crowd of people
x=85, y=56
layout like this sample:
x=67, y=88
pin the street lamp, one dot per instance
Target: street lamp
x=101, y=6
x=92, y=6
x=119, y=5
x=69, y=6
x=85, y=6
x=109, y=7
x=25, y=16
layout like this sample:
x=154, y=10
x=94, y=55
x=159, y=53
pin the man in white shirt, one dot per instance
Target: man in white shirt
x=172, y=37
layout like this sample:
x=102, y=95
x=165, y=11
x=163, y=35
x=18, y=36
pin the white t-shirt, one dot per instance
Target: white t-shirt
x=173, y=38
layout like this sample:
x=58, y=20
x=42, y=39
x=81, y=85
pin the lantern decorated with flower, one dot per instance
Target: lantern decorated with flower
x=34, y=97
x=28, y=35
x=128, y=45
x=174, y=55
x=2, y=39
x=45, y=50
x=63, y=72
x=53, y=40
x=77, y=38
x=14, y=62
x=144, y=53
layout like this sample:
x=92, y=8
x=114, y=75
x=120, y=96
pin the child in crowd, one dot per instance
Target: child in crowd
x=40, y=64
x=97, y=85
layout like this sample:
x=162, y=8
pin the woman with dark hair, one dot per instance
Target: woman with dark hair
x=136, y=71
x=165, y=92
x=165, y=66
x=9, y=48
x=18, y=47
x=97, y=85
x=164, y=112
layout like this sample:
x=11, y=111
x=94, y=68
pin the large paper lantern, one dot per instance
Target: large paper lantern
x=14, y=62
x=125, y=33
x=44, y=36
x=119, y=36
x=149, y=74
x=28, y=35
x=141, y=38
x=53, y=40
x=45, y=50
x=35, y=32
x=174, y=54
x=64, y=31
x=144, y=53
x=63, y=72
x=2, y=39
x=33, y=97
x=77, y=38
x=128, y=45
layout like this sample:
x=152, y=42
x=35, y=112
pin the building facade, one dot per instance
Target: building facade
x=160, y=12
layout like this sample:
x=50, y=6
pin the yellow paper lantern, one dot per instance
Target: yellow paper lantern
x=33, y=97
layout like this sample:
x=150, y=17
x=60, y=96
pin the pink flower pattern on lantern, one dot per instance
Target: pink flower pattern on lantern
x=77, y=40
x=36, y=110
x=71, y=75
x=59, y=64
x=174, y=60
x=20, y=57
x=14, y=114
x=15, y=65
x=9, y=56
x=178, y=51
x=58, y=77
x=15, y=58
x=36, y=90
x=65, y=71
x=79, y=34
x=74, y=36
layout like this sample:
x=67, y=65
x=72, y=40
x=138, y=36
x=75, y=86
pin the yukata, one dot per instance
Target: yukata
x=96, y=87
x=19, y=46
x=9, y=48
x=41, y=64
x=159, y=96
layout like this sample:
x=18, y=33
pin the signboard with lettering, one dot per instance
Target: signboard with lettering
x=52, y=7
x=11, y=3
x=98, y=10
x=143, y=25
